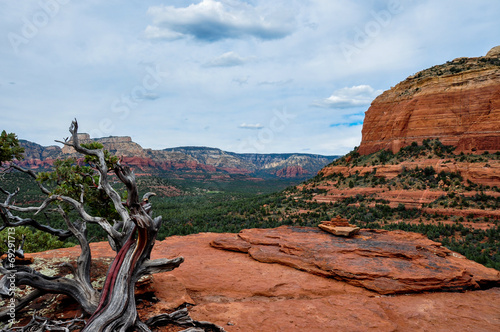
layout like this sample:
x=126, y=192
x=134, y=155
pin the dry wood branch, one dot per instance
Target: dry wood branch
x=159, y=265
x=181, y=317
x=82, y=272
x=11, y=220
x=42, y=324
x=4, y=314
x=33, y=175
x=56, y=285
x=103, y=171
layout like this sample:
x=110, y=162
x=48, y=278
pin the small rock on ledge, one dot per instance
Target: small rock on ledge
x=339, y=227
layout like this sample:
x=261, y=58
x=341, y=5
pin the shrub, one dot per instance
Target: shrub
x=35, y=241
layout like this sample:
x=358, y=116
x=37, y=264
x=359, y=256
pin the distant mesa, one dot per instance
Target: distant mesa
x=192, y=162
x=457, y=102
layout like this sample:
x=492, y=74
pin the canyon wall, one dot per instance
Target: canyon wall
x=457, y=102
x=184, y=160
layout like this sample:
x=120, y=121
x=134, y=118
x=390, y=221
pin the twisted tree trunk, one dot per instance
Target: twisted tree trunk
x=132, y=236
x=117, y=309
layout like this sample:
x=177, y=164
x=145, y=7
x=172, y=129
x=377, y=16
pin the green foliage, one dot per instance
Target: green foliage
x=9, y=147
x=215, y=212
x=429, y=148
x=111, y=160
x=478, y=201
x=69, y=178
x=35, y=241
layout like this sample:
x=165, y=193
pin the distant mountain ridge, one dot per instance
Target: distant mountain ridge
x=188, y=159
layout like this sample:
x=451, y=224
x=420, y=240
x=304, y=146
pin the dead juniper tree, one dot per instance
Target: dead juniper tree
x=131, y=232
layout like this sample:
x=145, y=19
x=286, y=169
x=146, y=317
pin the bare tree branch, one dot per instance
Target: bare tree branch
x=33, y=175
x=181, y=317
x=76, y=205
x=82, y=272
x=57, y=285
x=22, y=303
x=133, y=236
x=40, y=324
x=103, y=172
x=10, y=220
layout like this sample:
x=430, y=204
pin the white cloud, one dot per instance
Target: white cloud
x=251, y=126
x=212, y=20
x=241, y=80
x=228, y=59
x=91, y=59
x=278, y=83
x=356, y=96
x=154, y=32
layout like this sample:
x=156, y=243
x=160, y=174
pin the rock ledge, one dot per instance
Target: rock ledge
x=387, y=262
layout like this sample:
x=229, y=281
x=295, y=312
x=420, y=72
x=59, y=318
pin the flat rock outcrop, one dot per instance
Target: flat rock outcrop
x=387, y=262
x=241, y=294
x=457, y=102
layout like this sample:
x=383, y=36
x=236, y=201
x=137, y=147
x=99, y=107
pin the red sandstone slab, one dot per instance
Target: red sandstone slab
x=387, y=262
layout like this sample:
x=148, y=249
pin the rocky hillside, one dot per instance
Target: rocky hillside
x=304, y=279
x=457, y=102
x=201, y=160
x=428, y=177
x=430, y=143
x=429, y=161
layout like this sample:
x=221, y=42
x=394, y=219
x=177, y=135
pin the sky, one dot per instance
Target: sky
x=254, y=76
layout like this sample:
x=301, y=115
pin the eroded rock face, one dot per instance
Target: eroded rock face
x=486, y=173
x=387, y=262
x=241, y=294
x=457, y=102
x=184, y=159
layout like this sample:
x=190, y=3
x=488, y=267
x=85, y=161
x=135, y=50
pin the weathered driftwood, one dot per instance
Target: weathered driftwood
x=132, y=236
x=40, y=324
x=181, y=317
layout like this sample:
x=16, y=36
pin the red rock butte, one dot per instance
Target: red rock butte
x=457, y=102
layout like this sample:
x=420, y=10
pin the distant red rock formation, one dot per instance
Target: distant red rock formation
x=185, y=161
x=291, y=172
x=457, y=102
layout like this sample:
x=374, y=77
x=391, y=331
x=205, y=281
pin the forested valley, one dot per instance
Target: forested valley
x=211, y=206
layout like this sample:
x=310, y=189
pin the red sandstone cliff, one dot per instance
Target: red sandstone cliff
x=457, y=102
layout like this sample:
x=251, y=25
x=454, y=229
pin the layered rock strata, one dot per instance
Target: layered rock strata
x=387, y=262
x=457, y=102
x=184, y=160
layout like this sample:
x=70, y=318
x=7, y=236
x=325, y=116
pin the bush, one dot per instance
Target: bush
x=35, y=241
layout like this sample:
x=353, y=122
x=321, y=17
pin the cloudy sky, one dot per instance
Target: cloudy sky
x=254, y=76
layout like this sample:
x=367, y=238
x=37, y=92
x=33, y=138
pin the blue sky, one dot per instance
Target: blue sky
x=245, y=76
